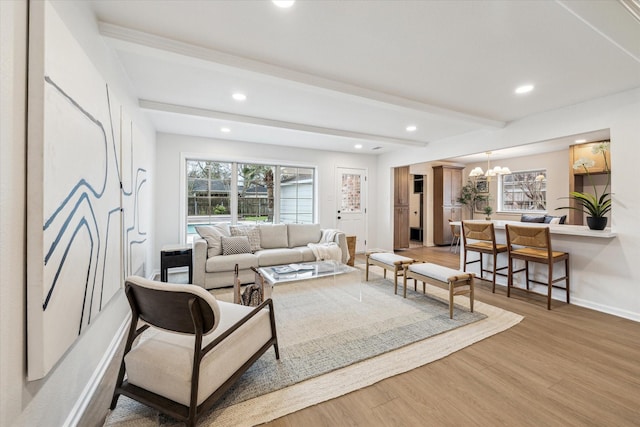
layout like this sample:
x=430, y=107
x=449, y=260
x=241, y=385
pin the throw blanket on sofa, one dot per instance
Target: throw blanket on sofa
x=326, y=251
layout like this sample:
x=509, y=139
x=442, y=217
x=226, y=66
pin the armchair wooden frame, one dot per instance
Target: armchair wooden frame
x=483, y=241
x=184, y=313
x=533, y=244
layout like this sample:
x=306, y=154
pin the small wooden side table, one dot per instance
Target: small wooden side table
x=351, y=245
x=175, y=256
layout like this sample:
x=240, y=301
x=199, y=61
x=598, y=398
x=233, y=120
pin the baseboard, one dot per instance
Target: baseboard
x=88, y=393
x=606, y=309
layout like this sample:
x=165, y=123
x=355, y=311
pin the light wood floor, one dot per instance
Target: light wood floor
x=566, y=367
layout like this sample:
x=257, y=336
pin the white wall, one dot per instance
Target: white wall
x=55, y=399
x=557, y=165
x=170, y=149
x=620, y=283
x=13, y=45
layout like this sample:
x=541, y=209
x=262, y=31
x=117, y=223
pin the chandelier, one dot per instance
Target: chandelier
x=495, y=171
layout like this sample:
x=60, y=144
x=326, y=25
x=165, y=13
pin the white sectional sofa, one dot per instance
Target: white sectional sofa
x=269, y=244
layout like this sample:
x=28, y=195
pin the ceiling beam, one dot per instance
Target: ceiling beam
x=258, y=121
x=137, y=41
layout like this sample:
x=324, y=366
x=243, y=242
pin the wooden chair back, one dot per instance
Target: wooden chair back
x=455, y=231
x=172, y=307
x=534, y=237
x=478, y=231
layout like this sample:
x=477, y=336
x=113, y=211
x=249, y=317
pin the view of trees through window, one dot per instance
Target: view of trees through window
x=260, y=193
x=524, y=191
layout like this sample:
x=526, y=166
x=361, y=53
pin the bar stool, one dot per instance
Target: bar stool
x=533, y=244
x=455, y=240
x=484, y=242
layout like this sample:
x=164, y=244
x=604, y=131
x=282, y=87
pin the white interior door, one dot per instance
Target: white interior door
x=351, y=206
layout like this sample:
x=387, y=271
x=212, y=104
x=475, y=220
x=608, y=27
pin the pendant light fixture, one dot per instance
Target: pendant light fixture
x=491, y=172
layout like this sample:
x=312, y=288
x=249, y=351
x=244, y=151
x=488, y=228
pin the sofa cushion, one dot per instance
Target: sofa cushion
x=301, y=234
x=306, y=252
x=235, y=245
x=213, y=234
x=219, y=264
x=532, y=218
x=268, y=257
x=252, y=233
x=273, y=236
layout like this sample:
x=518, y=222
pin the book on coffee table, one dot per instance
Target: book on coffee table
x=282, y=269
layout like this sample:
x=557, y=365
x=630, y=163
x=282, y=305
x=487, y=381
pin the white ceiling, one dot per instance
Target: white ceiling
x=332, y=74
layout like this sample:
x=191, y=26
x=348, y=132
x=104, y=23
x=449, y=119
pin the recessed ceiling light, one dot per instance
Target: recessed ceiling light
x=580, y=141
x=524, y=89
x=225, y=130
x=239, y=96
x=411, y=128
x=358, y=146
x=283, y=3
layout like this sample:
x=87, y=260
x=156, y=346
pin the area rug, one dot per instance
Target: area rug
x=336, y=337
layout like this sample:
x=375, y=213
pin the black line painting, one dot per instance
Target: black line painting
x=91, y=218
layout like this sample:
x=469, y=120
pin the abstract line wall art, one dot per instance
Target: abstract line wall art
x=83, y=206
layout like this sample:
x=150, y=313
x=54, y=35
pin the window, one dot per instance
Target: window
x=523, y=191
x=255, y=193
x=208, y=192
x=242, y=193
x=296, y=195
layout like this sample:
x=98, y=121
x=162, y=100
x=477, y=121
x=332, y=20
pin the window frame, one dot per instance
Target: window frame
x=501, y=192
x=183, y=197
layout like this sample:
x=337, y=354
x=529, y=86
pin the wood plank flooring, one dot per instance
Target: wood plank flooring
x=570, y=366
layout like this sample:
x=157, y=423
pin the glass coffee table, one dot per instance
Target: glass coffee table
x=315, y=270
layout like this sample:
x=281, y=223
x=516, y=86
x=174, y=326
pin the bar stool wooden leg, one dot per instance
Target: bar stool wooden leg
x=510, y=277
x=495, y=263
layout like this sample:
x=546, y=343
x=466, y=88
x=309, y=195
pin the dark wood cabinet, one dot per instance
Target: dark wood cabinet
x=447, y=182
x=401, y=208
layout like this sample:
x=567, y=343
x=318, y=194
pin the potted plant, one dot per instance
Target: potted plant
x=595, y=205
x=488, y=210
x=469, y=196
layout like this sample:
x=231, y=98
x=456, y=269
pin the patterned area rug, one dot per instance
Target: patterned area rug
x=335, y=337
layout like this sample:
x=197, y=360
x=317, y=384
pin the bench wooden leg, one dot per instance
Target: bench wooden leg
x=451, y=287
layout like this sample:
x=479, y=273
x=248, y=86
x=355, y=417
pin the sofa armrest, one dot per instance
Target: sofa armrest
x=341, y=240
x=199, y=261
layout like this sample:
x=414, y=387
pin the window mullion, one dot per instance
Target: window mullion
x=234, y=193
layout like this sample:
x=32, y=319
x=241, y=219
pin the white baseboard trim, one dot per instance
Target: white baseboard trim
x=90, y=389
x=606, y=309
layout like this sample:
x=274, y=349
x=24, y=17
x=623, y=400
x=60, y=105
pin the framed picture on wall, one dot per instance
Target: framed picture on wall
x=482, y=186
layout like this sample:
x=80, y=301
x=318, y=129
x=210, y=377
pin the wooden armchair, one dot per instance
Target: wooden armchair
x=185, y=362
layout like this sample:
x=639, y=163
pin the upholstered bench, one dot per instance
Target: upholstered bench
x=388, y=261
x=458, y=282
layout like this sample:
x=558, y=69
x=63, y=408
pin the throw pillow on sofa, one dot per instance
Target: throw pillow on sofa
x=251, y=232
x=213, y=235
x=235, y=245
x=532, y=218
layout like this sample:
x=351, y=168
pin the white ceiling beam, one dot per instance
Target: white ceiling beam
x=141, y=42
x=258, y=121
